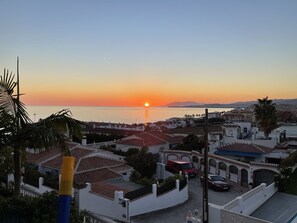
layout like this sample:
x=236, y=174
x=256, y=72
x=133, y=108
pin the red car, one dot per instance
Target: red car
x=176, y=166
x=216, y=182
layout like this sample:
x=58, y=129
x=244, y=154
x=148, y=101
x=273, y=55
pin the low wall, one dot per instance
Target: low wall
x=29, y=190
x=97, y=204
x=122, y=209
x=241, y=207
x=231, y=217
x=152, y=202
x=250, y=201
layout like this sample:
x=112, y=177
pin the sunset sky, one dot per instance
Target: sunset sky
x=122, y=52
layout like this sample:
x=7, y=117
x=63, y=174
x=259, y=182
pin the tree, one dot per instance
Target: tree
x=265, y=112
x=192, y=142
x=6, y=164
x=143, y=162
x=34, y=209
x=18, y=132
x=283, y=179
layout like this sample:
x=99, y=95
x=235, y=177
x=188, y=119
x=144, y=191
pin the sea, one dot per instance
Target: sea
x=127, y=115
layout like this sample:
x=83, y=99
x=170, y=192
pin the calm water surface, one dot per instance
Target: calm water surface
x=127, y=115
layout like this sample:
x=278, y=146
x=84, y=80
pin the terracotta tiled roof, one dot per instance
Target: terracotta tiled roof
x=150, y=139
x=42, y=156
x=248, y=148
x=168, y=138
x=37, y=158
x=76, y=153
x=132, y=142
x=94, y=176
x=121, y=168
x=106, y=190
x=96, y=162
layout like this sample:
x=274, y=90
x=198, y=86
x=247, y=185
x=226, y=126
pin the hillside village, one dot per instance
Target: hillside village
x=238, y=151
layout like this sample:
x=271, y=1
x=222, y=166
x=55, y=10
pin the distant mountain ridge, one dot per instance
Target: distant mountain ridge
x=241, y=104
x=184, y=103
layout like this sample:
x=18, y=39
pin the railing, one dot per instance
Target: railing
x=166, y=187
x=90, y=218
x=28, y=192
x=271, y=165
x=132, y=195
x=233, y=177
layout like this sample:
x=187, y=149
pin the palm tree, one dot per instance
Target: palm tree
x=265, y=112
x=17, y=131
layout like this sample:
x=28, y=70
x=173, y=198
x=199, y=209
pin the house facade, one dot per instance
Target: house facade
x=153, y=141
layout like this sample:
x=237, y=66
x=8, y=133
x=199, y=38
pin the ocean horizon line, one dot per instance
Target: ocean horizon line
x=119, y=114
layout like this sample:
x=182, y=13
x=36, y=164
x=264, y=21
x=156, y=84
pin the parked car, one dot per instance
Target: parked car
x=216, y=182
x=176, y=166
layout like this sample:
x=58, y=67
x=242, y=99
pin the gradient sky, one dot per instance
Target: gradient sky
x=122, y=52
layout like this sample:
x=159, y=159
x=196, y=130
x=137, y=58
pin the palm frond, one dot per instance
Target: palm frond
x=8, y=101
x=6, y=90
x=7, y=82
x=20, y=108
x=50, y=131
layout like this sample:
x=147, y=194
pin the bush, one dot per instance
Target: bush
x=143, y=162
x=290, y=161
x=31, y=176
x=145, y=181
x=36, y=210
x=51, y=181
x=94, y=137
x=132, y=151
x=6, y=192
x=135, y=176
x=173, y=178
x=283, y=179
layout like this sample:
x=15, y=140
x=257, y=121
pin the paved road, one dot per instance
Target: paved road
x=178, y=213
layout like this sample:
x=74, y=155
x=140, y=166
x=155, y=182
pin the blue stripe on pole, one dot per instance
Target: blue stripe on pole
x=64, y=208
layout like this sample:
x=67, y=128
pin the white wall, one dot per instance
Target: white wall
x=153, y=202
x=243, y=205
x=156, y=149
x=27, y=189
x=113, y=207
x=231, y=131
x=125, y=148
x=100, y=205
x=243, y=125
x=151, y=149
x=253, y=199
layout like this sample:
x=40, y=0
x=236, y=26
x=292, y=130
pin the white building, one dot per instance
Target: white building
x=153, y=141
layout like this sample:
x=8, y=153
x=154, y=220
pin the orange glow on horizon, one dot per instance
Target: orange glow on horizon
x=62, y=97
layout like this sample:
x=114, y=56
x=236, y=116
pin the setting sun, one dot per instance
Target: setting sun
x=146, y=104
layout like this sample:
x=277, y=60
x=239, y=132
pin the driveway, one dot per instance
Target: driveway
x=178, y=213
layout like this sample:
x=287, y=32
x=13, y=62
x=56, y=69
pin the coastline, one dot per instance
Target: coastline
x=128, y=115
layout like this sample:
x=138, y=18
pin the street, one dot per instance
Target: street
x=178, y=213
